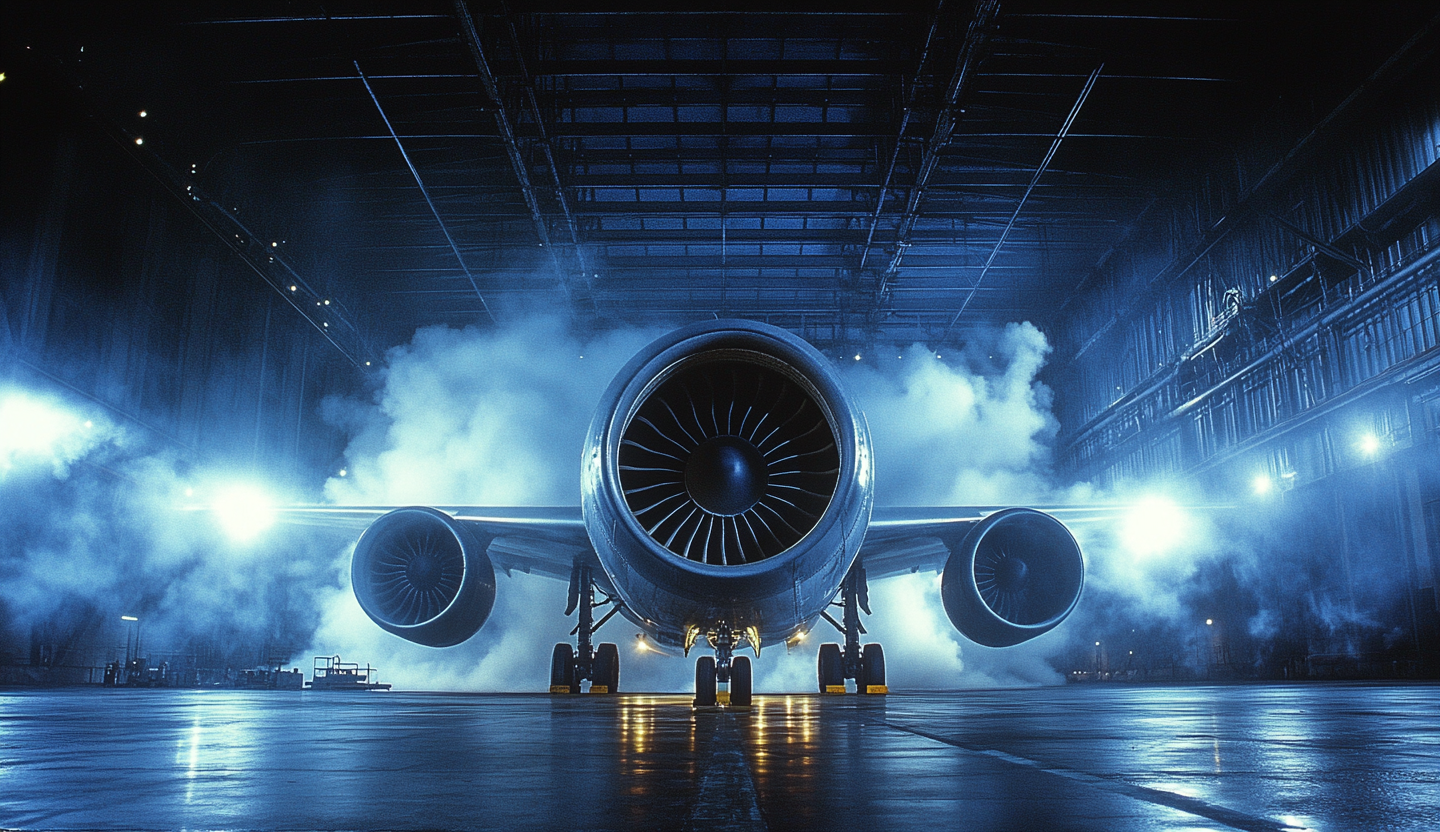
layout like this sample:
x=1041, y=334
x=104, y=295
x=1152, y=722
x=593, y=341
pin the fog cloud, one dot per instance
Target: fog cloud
x=497, y=417
x=93, y=525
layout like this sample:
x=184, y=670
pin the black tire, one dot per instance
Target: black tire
x=705, y=680
x=607, y=668
x=562, y=668
x=831, y=670
x=740, y=678
x=872, y=667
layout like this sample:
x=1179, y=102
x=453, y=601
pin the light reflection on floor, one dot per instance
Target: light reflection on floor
x=1321, y=757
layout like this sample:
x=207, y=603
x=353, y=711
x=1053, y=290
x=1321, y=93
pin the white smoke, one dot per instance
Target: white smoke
x=94, y=523
x=497, y=417
x=466, y=416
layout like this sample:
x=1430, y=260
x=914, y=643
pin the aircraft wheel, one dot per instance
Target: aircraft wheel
x=831, y=670
x=740, y=677
x=872, y=669
x=607, y=669
x=705, y=680
x=562, y=669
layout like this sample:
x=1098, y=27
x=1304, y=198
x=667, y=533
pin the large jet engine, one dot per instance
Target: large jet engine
x=423, y=576
x=726, y=482
x=1015, y=575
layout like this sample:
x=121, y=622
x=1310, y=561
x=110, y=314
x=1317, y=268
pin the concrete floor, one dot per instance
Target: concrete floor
x=1323, y=757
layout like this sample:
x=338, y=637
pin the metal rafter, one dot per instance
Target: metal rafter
x=977, y=35
x=528, y=85
x=506, y=127
x=444, y=229
x=266, y=262
x=908, y=110
x=1034, y=180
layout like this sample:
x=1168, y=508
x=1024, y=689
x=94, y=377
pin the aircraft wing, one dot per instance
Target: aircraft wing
x=903, y=539
x=536, y=540
x=545, y=540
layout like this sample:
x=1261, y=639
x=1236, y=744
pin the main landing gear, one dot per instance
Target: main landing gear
x=866, y=665
x=724, y=667
x=601, y=665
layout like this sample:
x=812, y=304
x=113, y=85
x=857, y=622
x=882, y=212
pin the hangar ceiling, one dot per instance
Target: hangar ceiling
x=854, y=172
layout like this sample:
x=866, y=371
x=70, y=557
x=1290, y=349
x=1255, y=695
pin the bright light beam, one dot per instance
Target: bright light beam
x=244, y=512
x=1262, y=484
x=1369, y=444
x=1153, y=526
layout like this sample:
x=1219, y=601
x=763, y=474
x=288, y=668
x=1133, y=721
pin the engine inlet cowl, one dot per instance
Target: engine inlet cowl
x=1016, y=575
x=730, y=458
x=420, y=574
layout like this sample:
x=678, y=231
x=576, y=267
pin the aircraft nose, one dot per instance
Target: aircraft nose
x=726, y=475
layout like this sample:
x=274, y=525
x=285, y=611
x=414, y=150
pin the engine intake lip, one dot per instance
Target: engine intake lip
x=413, y=571
x=729, y=457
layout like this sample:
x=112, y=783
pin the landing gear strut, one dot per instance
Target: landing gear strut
x=601, y=665
x=866, y=665
x=725, y=667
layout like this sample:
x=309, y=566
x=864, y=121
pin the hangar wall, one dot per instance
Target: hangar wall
x=115, y=302
x=116, y=296
x=1272, y=337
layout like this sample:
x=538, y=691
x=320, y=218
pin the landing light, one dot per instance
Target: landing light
x=1262, y=484
x=1369, y=444
x=244, y=512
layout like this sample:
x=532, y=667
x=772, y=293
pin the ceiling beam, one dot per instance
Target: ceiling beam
x=506, y=126
x=1035, y=180
x=425, y=193
x=972, y=51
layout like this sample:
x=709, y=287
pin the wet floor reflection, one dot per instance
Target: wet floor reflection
x=1316, y=757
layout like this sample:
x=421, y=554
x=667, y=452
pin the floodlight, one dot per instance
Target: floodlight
x=243, y=511
x=1369, y=444
x=1262, y=484
x=32, y=427
x=1152, y=526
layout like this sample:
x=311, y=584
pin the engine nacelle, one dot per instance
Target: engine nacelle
x=726, y=479
x=424, y=577
x=1017, y=574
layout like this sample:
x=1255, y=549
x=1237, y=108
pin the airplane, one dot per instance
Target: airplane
x=727, y=501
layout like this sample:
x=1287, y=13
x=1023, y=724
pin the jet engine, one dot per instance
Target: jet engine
x=1015, y=575
x=727, y=480
x=423, y=576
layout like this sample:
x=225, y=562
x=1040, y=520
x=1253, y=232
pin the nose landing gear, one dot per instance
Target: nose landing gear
x=724, y=667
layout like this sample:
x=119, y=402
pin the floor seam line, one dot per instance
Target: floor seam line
x=1191, y=805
